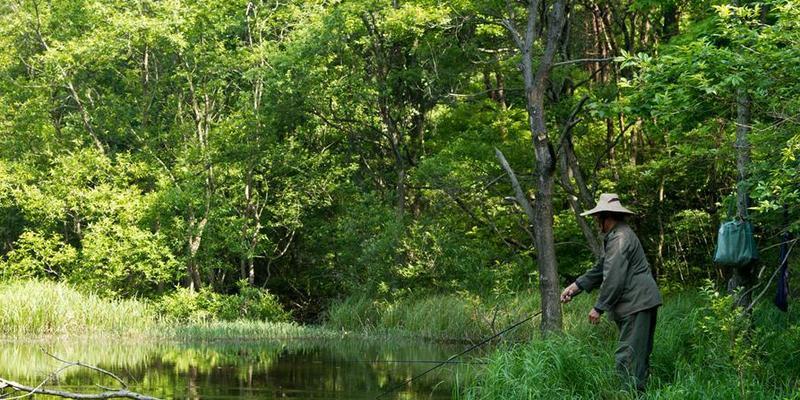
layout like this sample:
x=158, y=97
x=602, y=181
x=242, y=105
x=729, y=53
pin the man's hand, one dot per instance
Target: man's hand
x=594, y=317
x=569, y=291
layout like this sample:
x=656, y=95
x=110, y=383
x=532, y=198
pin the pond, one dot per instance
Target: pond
x=296, y=369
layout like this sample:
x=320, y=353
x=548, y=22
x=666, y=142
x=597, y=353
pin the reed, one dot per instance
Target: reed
x=37, y=309
x=438, y=317
x=34, y=308
x=246, y=330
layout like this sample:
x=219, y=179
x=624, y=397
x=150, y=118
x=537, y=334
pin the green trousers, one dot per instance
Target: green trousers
x=636, y=333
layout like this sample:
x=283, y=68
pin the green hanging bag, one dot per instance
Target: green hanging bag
x=736, y=246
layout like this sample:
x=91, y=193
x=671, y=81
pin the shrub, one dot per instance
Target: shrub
x=206, y=306
x=250, y=303
x=185, y=305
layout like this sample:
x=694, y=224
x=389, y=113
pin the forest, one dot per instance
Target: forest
x=406, y=167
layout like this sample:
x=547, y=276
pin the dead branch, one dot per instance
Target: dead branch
x=115, y=394
x=109, y=393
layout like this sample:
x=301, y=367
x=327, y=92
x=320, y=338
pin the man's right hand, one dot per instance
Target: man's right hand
x=569, y=291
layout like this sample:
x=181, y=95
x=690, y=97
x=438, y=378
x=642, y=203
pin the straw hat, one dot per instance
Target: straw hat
x=608, y=202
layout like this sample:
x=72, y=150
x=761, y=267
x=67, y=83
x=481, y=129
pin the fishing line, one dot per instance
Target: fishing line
x=487, y=340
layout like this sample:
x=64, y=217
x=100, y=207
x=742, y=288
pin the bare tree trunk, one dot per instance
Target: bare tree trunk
x=401, y=193
x=742, y=278
x=192, y=246
x=487, y=84
x=251, y=271
x=543, y=211
x=579, y=198
x=109, y=393
x=535, y=85
x=519, y=194
x=501, y=89
x=84, y=115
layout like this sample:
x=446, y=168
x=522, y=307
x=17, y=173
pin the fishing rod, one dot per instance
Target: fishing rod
x=409, y=362
x=426, y=362
x=487, y=340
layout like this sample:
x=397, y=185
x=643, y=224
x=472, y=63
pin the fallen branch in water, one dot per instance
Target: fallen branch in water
x=110, y=393
x=115, y=394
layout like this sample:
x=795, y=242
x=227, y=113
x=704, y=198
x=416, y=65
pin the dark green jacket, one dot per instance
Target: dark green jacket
x=623, y=274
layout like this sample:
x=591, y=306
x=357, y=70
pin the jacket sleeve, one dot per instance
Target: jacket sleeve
x=591, y=278
x=615, y=270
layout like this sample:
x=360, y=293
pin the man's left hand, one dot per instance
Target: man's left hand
x=594, y=317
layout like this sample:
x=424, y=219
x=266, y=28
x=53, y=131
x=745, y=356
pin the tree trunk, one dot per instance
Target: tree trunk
x=742, y=278
x=578, y=195
x=192, y=246
x=671, y=17
x=251, y=271
x=543, y=214
x=401, y=193
x=535, y=85
x=577, y=206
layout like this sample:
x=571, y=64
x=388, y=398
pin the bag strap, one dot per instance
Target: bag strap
x=731, y=206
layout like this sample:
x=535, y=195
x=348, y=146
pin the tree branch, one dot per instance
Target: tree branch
x=80, y=364
x=115, y=394
x=519, y=194
x=512, y=30
x=582, y=60
x=123, y=393
x=531, y=30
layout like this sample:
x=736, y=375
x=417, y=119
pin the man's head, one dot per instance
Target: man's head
x=607, y=220
x=608, y=211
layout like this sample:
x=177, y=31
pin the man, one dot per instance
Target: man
x=628, y=292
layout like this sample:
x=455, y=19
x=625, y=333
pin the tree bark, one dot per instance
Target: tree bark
x=742, y=279
x=535, y=85
x=579, y=198
x=192, y=246
x=519, y=194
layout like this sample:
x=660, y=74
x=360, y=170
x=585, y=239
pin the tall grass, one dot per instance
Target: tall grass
x=31, y=308
x=694, y=358
x=438, y=317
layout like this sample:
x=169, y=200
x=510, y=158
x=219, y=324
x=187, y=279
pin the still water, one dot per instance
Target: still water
x=297, y=369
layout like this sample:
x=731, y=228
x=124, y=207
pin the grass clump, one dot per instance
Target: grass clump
x=34, y=308
x=246, y=330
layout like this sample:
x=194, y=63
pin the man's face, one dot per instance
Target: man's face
x=599, y=222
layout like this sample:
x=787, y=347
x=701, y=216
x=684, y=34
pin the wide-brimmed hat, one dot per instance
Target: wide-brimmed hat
x=608, y=202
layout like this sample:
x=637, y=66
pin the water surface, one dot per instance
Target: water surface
x=296, y=369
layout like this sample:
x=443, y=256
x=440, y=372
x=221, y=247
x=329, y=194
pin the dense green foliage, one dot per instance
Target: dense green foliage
x=208, y=162
x=327, y=149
